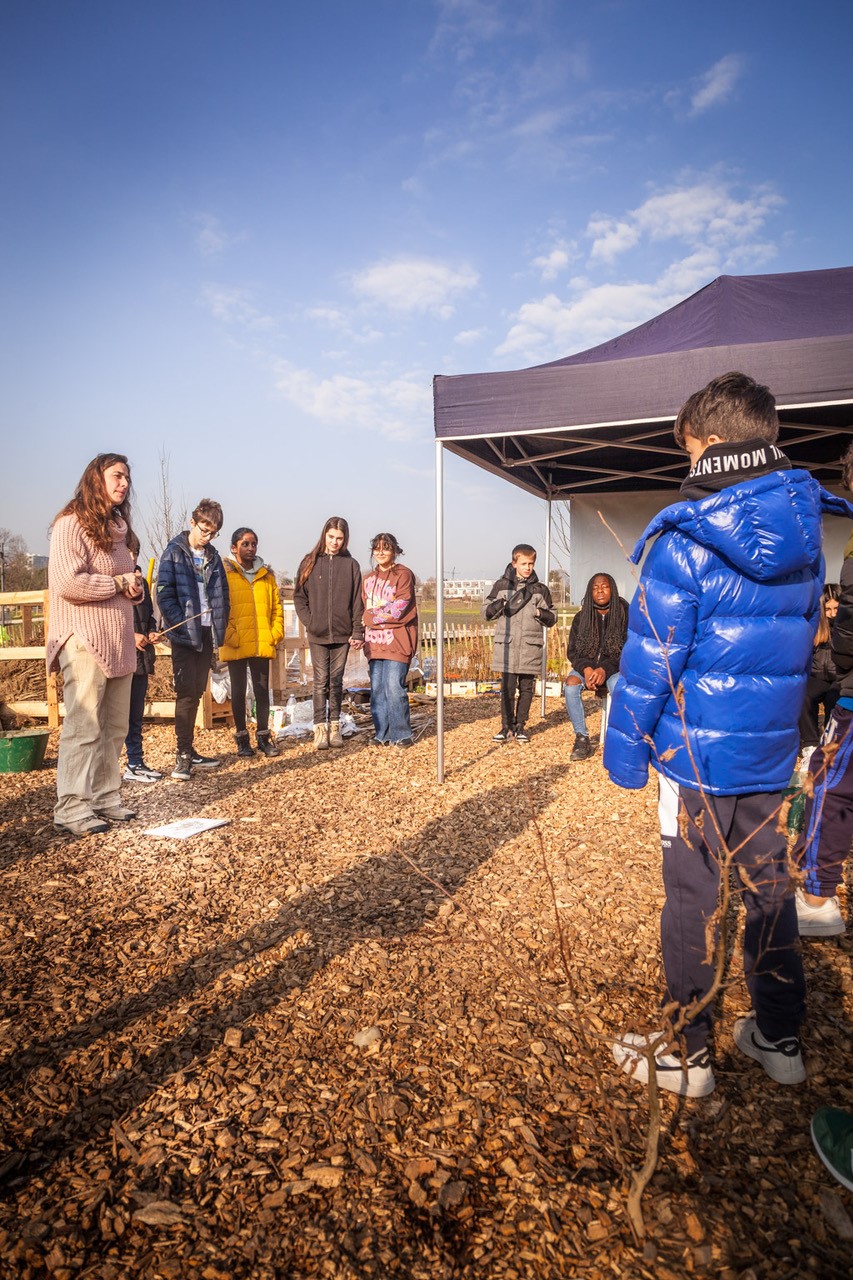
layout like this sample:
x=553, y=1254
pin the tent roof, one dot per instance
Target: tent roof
x=601, y=420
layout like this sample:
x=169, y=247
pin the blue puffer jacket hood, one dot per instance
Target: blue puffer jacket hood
x=725, y=613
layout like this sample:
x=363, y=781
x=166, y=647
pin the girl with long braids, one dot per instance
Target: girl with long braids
x=327, y=599
x=596, y=640
x=93, y=586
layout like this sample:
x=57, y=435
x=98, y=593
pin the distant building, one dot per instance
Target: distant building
x=36, y=562
x=467, y=588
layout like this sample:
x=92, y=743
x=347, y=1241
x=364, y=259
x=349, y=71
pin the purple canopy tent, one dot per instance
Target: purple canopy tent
x=601, y=421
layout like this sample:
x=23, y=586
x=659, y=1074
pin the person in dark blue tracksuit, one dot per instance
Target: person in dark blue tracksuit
x=712, y=679
x=828, y=821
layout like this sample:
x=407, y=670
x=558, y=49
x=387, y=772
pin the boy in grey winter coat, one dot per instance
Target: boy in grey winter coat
x=521, y=608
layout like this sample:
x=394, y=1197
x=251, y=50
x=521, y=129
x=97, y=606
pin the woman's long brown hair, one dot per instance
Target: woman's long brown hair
x=93, y=508
x=306, y=567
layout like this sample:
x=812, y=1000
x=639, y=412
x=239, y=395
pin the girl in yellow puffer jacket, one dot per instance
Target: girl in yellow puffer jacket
x=255, y=628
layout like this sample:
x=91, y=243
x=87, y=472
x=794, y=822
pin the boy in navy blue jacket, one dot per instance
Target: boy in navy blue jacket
x=192, y=594
x=712, y=678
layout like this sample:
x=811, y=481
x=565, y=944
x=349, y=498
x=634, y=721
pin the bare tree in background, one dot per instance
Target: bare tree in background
x=166, y=516
x=561, y=542
x=16, y=573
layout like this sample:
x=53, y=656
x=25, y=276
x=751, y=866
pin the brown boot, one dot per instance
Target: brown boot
x=321, y=737
x=335, y=739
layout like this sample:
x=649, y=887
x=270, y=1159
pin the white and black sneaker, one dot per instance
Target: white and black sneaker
x=781, y=1059
x=203, y=762
x=503, y=736
x=141, y=773
x=690, y=1078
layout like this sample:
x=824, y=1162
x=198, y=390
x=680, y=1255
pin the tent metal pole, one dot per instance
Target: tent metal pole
x=544, y=672
x=439, y=610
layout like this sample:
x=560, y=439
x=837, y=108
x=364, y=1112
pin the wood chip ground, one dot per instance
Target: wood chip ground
x=336, y=1038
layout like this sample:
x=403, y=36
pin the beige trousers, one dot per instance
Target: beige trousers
x=97, y=709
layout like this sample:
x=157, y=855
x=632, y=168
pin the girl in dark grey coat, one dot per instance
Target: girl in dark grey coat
x=328, y=603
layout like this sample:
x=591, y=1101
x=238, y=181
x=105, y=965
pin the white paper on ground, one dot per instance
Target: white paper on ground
x=186, y=827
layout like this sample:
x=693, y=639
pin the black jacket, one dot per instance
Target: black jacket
x=842, y=629
x=329, y=603
x=143, y=624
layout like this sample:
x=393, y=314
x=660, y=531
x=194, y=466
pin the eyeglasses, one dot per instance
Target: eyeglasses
x=206, y=529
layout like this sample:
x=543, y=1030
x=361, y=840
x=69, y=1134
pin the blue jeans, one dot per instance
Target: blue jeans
x=389, y=702
x=574, y=702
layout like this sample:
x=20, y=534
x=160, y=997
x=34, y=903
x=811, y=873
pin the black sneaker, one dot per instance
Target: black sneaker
x=503, y=736
x=521, y=736
x=582, y=749
x=141, y=773
x=183, y=769
x=404, y=742
x=204, y=762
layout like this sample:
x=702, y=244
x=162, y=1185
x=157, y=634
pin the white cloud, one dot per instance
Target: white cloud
x=550, y=327
x=398, y=407
x=540, y=124
x=702, y=213
x=717, y=83
x=552, y=263
x=414, y=284
x=466, y=337
x=331, y=316
x=235, y=306
x=346, y=324
x=211, y=236
x=610, y=237
x=463, y=25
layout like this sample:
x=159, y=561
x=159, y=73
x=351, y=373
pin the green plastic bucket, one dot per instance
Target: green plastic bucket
x=22, y=750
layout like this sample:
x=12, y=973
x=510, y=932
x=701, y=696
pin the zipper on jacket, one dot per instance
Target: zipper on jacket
x=331, y=633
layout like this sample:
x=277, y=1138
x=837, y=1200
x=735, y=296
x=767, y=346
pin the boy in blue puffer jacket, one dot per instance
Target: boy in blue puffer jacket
x=712, y=680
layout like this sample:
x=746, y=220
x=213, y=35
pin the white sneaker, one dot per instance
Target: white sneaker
x=691, y=1079
x=825, y=921
x=781, y=1059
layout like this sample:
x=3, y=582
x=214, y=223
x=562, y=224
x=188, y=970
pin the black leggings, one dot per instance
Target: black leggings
x=817, y=691
x=328, y=662
x=260, y=669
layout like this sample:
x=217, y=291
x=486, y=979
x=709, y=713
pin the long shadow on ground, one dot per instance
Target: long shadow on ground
x=448, y=849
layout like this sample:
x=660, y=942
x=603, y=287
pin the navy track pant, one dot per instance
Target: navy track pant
x=828, y=821
x=691, y=873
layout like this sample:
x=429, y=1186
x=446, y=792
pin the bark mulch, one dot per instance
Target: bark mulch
x=364, y=1031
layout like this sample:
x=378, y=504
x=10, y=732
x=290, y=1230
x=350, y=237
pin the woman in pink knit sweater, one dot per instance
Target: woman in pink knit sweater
x=93, y=586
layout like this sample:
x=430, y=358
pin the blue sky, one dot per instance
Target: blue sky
x=249, y=234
